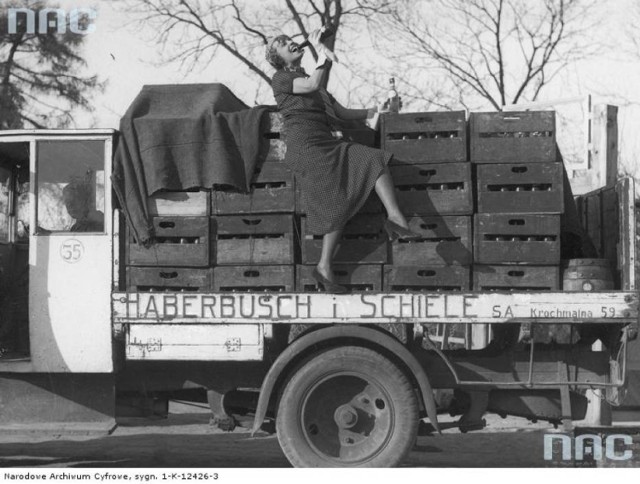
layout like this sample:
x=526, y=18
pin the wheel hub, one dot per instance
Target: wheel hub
x=345, y=416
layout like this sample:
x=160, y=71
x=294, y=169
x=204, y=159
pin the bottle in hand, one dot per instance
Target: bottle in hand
x=393, y=100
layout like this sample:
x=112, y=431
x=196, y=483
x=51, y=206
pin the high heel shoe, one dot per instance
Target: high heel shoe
x=395, y=231
x=329, y=286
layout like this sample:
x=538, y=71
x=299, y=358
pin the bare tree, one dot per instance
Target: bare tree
x=39, y=73
x=193, y=32
x=477, y=52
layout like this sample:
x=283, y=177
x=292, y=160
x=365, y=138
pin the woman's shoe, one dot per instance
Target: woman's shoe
x=395, y=231
x=329, y=286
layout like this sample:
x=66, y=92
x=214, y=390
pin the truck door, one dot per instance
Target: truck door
x=70, y=254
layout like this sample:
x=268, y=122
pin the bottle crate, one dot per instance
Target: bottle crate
x=516, y=238
x=426, y=278
x=520, y=188
x=276, y=278
x=179, y=241
x=434, y=189
x=443, y=241
x=431, y=137
x=513, y=137
x=272, y=191
x=515, y=278
x=170, y=279
x=253, y=239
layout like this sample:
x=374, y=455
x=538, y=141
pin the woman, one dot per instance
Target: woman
x=336, y=177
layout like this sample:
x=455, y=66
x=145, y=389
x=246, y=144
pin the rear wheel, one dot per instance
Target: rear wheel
x=347, y=407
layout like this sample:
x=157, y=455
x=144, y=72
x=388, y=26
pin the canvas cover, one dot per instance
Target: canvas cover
x=179, y=137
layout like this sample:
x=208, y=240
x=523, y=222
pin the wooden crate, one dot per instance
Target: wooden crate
x=516, y=238
x=434, y=189
x=513, y=137
x=444, y=241
x=355, y=277
x=372, y=205
x=173, y=279
x=272, y=190
x=363, y=242
x=517, y=278
x=432, y=137
x=520, y=188
x=182, y=204
x=179, y=241
x=253, y=239
x=426, y=278
x=253, y=278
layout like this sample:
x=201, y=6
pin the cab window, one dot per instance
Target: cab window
x=70, y=186
x=5, y=204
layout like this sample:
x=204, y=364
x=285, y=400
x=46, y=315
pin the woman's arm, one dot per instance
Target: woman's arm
x=352, y=114
x=312, y=83
x=302, y=85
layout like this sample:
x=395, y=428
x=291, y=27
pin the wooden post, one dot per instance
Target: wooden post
x=603, y=163
x=604, y=130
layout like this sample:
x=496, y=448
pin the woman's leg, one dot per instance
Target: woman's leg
x=385, y=190
x=329, y=248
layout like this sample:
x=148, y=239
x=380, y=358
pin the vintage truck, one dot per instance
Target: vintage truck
x=347, y=379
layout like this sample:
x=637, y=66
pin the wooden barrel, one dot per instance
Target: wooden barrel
x=587, y=275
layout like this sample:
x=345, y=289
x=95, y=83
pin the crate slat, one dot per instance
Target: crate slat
x=426, y=278
x=174, y=279
x=182, y=204
x=355, y=277
x=515, y=277
x=254, y=278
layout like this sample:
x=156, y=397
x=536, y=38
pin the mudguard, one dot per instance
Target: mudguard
x=337, y=333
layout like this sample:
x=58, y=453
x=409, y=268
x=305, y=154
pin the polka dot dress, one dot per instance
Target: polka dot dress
x=336, y=176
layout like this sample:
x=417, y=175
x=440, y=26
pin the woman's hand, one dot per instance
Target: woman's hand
x=314, y=38
x=371, y=112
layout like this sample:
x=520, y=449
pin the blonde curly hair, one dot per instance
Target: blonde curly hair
x=271, y=54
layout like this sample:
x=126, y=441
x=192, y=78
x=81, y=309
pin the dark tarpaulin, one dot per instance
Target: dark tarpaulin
x=178, y=137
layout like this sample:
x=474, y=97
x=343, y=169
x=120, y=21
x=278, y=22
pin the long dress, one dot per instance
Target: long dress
x=336, y=176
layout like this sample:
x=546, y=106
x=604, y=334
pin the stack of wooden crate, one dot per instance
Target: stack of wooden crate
x=220, y=240
x=519, y=201
x=227, y=241
x=254, y=233
x=179, y=260
x=432, y=177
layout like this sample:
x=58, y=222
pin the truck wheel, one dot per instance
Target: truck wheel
x=347, y=407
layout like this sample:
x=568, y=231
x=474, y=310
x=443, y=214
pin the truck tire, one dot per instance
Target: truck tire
x=347, y=407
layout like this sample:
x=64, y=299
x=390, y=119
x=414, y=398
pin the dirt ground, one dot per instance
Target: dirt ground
x=186, y=440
